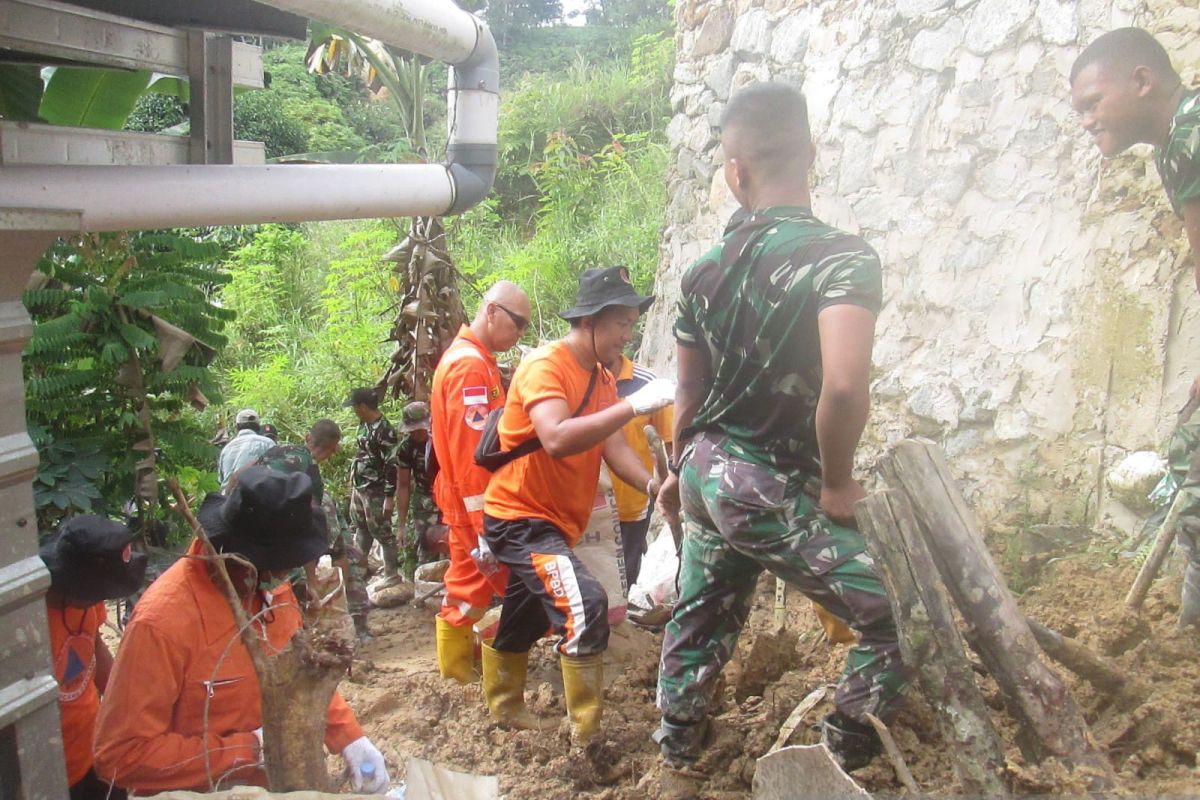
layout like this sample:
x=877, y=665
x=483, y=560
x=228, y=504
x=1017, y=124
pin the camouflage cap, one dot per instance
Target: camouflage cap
x=415, y=417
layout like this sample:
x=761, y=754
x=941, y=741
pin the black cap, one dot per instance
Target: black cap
x=268, y=518
x=601, y=288
x=91, y=558
x=364, y=396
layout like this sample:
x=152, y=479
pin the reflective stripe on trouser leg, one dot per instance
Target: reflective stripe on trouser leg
x=742, y=518
x=547, y=584
x=469, y=592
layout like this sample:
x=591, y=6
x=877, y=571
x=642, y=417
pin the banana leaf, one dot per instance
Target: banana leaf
x=92, y=98
x=20, y=92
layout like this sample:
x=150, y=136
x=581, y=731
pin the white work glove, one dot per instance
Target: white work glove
x=656, y=394
x=484, y=558
x=359, y=755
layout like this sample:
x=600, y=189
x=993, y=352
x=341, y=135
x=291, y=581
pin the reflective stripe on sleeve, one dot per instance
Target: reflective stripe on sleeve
x=473, y=503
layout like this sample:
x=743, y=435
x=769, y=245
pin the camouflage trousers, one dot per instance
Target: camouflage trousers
x=371, y=525
x=741, y=518
x=424, y=513
x=345, y=554
x=1189, y=538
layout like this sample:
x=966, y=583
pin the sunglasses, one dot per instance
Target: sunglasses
x=521, y=322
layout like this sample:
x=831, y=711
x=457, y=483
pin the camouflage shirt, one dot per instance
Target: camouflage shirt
x=410, y=455
x=1179, y=162
x=374, y=466
x=295, y=458
x=752, y=302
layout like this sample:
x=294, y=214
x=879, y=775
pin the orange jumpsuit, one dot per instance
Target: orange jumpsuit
x=466, y=386
x=180, y=650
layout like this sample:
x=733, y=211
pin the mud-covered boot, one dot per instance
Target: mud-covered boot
x=853, y=744
x=681, y=744
x=456, y=651
x=391, y=566
x=504, y=689
x=1189, y=601
x=583, y=685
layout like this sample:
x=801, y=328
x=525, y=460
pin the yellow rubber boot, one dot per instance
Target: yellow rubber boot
x=456, y=651
x=583, y=685
x=504, y=688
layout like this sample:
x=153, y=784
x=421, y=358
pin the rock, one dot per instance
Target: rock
x=934, y=49
x=720, y=75
x=714, y=33
x=676, y=129
x=1134, y=477
x=936, y=402
x=1012, y=424
x=993, y=22
x=789, y=42
x=752, y=35
x=1057, y=22
x=916, y=8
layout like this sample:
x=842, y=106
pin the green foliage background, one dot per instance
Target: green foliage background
x=299, y=314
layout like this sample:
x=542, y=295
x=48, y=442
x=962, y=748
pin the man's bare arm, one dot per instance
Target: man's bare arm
x=847, y=334
x=563, y=435
x=1191, y=226
x=695, y=382
x=624, y=463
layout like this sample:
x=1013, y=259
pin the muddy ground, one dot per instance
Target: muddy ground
x=1154, y=747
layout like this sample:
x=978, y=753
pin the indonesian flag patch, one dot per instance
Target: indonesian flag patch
x=475, y=396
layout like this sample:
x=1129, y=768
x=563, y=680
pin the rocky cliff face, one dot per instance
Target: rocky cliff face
x=1040, y=316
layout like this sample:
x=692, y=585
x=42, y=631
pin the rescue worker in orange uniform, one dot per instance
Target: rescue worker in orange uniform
x=466, y=386
x=183, y=709
x=537, y=505
x=90, y=560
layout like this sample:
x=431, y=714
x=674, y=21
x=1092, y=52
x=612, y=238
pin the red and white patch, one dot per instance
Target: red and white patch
x=475, y=396
x=476, y=417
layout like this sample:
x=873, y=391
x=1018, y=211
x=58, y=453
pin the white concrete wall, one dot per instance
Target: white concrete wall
x=1040, y=317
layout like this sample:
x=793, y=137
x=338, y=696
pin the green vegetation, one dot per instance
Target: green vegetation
x=287, y=318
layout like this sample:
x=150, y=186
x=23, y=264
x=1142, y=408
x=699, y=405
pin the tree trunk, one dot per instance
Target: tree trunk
x=930, y=642
x=1050, y=722
x=1102, y=673
x=296, y=691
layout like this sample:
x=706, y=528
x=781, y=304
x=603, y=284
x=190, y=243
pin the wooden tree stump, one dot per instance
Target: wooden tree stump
x=1051, y=725
x=930, y=642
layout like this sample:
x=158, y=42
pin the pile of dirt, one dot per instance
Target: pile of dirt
x=409, y=711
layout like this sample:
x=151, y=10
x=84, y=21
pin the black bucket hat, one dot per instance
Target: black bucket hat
x=268, y=518
x=91, y=558
x=601, y=288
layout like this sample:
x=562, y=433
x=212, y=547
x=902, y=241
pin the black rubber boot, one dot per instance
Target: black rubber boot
x=680, y=742
x=853, y=744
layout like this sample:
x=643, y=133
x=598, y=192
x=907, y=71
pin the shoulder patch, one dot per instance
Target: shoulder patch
x=475, y=417
x=475, y=396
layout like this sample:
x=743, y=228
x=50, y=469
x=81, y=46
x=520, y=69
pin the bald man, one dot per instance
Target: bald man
x=774, y=335
x=466, y=387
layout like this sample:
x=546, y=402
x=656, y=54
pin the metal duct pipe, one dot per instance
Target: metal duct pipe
x=124, y=198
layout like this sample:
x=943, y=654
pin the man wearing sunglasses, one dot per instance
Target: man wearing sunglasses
x=466, y=386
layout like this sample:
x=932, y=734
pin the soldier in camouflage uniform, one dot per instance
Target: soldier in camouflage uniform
x=774, y=334
x=414, y=486
x=1184, y=458
x=373, y=477
x=321, y=442
x=1127, y=92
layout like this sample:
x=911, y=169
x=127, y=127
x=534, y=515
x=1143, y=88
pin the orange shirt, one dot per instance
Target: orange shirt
x=632, y=503
x=537, y=486
x=73, y=634
x=180, y=649
x=466, y=386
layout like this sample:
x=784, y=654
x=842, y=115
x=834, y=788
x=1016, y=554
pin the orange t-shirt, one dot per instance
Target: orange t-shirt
x=537, y=486
x=73, y=634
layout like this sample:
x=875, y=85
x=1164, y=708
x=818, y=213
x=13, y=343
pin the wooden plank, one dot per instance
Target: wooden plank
x=930, y=641
x=65, y=32
x=1051, y=725
x=27, y=143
